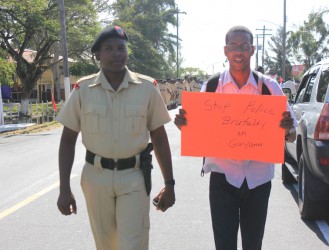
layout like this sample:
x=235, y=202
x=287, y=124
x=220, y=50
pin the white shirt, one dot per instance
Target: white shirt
x=236, y=171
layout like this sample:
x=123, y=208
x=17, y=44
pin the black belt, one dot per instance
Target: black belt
x=111, y=164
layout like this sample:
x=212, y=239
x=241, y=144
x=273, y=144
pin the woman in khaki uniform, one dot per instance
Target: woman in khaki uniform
x=116, y=111
x=180, y=88
x=168, y=94
x=164, y=92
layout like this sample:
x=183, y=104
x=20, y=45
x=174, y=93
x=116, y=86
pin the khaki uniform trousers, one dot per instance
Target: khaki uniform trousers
x=118, y=207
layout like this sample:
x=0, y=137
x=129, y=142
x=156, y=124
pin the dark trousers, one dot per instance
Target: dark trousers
x=231, y=206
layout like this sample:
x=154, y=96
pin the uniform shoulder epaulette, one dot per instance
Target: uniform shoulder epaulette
x=148, y=78
x=81, y=80
x=86, y=78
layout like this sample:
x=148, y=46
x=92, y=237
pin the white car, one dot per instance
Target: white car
x=307, y=159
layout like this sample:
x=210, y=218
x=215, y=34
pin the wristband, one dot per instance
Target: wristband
x=170, y=182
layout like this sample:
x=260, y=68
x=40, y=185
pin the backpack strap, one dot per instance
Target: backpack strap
x=212, y=82
x=262, y=87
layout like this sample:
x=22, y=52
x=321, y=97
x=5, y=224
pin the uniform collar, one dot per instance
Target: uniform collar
x=228, y=79
x=129, y=78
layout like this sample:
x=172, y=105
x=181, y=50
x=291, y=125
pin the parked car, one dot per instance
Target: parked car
x=307, y=159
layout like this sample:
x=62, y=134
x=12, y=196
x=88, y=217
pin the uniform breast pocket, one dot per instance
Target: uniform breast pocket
x=135, y=119
x=95, y=118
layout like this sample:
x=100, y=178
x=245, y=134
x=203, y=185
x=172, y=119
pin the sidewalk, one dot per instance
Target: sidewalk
x=11, y=127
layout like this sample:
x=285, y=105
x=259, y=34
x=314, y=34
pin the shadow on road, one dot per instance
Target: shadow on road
x=311, y=224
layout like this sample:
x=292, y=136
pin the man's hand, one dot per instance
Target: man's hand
x=287, y=121
x=66, y=203
x=166, y=198
x=180, y=119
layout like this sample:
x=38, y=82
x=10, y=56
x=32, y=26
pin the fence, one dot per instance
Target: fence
x=37, y=112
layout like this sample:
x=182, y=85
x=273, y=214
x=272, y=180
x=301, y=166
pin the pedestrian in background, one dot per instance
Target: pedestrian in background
x=240, y=189
x=116, y=111
x=196, y=87
x=180, y=89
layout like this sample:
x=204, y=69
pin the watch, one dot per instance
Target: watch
x=170, y=182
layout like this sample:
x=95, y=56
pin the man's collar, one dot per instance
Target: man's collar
x=129, y=77
x=227, y=78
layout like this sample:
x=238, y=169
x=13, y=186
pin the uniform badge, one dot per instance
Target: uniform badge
x=155, y=82
x=76, y=86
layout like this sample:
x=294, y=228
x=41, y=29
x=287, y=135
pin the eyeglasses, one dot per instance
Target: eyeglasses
x=242, y=47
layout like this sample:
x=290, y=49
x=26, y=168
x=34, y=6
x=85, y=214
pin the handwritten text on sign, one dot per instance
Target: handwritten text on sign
x=233, y=126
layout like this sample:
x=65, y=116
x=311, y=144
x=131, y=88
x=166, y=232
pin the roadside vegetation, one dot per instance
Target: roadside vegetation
x=38, y=128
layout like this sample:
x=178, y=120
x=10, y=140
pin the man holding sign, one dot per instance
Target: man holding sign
x=240, y=188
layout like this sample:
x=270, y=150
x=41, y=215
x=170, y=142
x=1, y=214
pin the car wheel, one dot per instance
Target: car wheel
x=309, y=209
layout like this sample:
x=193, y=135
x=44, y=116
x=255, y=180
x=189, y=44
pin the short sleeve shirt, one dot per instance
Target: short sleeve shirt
x=115, y=124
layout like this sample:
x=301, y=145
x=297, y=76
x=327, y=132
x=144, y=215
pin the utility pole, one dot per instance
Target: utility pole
x=284, y=42
x=2, y=118
x=257, y=51
x=263, y=35
x=64, y=50
x=177, y=45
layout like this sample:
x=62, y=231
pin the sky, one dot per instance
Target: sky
x=202, y=29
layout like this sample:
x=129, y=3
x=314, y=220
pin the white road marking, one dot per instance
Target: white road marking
x=29, y=199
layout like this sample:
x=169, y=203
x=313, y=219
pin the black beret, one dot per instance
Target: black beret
x=108, y=32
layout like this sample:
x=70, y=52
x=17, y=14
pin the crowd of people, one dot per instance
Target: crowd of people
x=171, y=90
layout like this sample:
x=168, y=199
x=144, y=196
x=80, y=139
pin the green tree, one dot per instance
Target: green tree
x=310, y=41
x=151, y=46
x=35, y=24
x=273, y=60
x=192, y=71
x=83, y=68
x=7, y=70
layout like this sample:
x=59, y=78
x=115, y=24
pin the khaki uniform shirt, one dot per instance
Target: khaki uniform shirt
x=168, y=93
x=180, y=87
x=196, y=87
x=163, y=91
x=174, y=91
x=114, y=124
x=187, y=86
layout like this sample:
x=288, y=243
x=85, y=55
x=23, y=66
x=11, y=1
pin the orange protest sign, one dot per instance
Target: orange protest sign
x=233, y=126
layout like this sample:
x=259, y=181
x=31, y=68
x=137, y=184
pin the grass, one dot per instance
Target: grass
x=34, y=129
x=34, y=109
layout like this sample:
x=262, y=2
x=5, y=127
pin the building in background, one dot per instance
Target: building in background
x=297, y=72
x=45, y=86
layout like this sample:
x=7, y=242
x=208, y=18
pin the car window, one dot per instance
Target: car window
x=323, y=83
x=305, y=89
x=309, y=88
x=300, y=96
x=301, y=89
